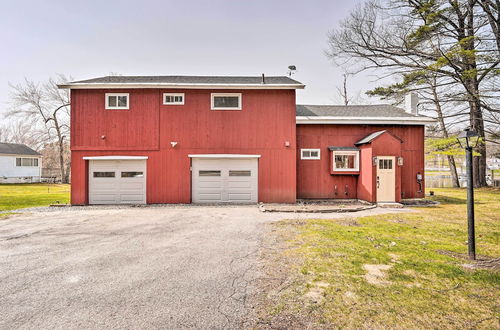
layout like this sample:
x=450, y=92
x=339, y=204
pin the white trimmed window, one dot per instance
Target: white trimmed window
x=32, y=162
x=345, y=161
x=226, y=101
x=173, y=98
x=310, y=154
x=117, y=101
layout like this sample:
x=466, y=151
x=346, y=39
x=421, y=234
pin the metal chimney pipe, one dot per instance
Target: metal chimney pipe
x=411, y=103
x=263, y=79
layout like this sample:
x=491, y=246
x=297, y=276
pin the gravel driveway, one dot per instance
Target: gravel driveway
x=153, y=267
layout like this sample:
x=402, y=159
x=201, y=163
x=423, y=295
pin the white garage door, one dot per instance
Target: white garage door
x=117, y=181
x=225, y=180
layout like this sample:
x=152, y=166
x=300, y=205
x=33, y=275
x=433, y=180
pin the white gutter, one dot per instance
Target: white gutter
x=116, y=158
x=365, y=120
x=178, y=86
x=21, y=155
x=223, y=156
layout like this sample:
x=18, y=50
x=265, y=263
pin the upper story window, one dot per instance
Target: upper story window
x=21, y=161
x=346, y=161
x=117, y=101
x=173, y=98
x=226, y=101
x=310, y=154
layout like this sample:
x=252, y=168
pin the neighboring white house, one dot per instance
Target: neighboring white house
x=19, y=164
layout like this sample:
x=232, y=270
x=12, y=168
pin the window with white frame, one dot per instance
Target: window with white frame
x=173, y=98
x=346, y=161
x=226, y=101
x=32, y=162
x=117, y=101
x=310, y=154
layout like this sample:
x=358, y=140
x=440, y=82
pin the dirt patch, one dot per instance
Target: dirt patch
x=491, y=264
x=394, y=257
x=319, y=206
x=375, y=274
x=481, y=262
x=419, y=202
x=349, y=222
x=316, y=293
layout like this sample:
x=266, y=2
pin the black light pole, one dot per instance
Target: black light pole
x=468, y=139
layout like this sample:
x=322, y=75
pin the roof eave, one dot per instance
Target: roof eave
x=311, y=120
x=177, y=86
x=22, y=154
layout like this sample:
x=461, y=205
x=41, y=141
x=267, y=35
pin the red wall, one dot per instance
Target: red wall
x=266, y=121
x=313, y=176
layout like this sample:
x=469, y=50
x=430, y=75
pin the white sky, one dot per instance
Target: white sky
x=92, y=38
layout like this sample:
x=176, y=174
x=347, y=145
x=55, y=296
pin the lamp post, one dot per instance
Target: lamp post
x=469, y=139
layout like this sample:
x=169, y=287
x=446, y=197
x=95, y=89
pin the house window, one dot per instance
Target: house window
x=173, y=98
x=117, y=101
x=239, y=173
x=33, y=162
x=209, y=173
x=310, y=154
x=226, y=101
x=385, y=164
x=346, y=161
x=132, y=174
x=104, y=174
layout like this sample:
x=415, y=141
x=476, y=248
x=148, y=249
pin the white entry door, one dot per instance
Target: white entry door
x=117, y=182
x=386, y=179
x=224, y=180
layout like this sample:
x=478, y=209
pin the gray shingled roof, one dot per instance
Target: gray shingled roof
x=334, y=148
x=17, y=149
x=209, y=80
x=369, y=138
x=379, y=110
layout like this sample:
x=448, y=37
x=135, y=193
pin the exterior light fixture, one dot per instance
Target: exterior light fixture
x=374, y=161
x=469, y=139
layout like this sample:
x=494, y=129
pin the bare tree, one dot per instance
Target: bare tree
x=47, y=108
x=342, y=91
x=22, y=132
x=455, y=40
x=436, y=101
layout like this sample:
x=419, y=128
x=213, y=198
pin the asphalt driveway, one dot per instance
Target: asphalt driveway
x=154, y=267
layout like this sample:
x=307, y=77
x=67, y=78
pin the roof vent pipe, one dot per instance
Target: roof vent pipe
x=263, y=79
x=411, y=103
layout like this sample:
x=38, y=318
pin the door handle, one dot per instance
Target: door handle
x=378, y=182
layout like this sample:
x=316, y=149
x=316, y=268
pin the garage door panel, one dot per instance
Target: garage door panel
x=210, y=196
x=131, y=198
x=127, y=186
x=240, y=196
x=239, y=184
x=131, y=186
x=103, y=199
x=210, y=184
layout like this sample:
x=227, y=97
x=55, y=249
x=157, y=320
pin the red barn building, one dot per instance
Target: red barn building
x=180, y=139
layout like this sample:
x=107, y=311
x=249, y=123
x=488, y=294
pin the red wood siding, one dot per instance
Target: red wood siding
x=313, y=176
x=266, y=121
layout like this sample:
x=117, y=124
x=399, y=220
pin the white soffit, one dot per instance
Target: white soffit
x=365, y=120
x=116, y=158
x=178, y=86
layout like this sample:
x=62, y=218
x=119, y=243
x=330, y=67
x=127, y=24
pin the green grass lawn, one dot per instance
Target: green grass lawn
x=18, y=196
x=391, y=271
